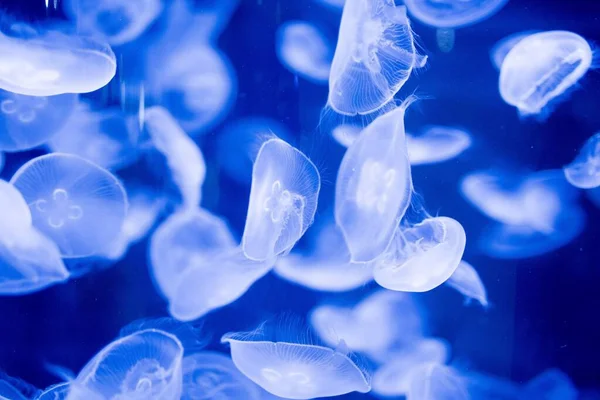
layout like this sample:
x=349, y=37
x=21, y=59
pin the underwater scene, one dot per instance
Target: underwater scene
x=299, y=199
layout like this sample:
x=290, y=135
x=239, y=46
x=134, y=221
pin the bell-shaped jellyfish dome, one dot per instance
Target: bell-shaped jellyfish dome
x=374, y=57
x=283, y=200
x=504, y=46
x=541, y=67
x=584, y=171
x=209, y=375
x=436, y=144
x=434, y=381
x=143, y=365
x=60, y=391
x=467, y=282
x=76, y=203
x=29, y=121
x=423, y=256
x=452, y=13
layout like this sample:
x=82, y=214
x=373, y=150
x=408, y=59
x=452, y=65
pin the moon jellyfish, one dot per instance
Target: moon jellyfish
x=60, y=391
x=541, y=67
x=119, y=21
x=453, y=13
x=505, y=45
x=74, y=202
x=209, y=375
x=466, y=281
x=295, y=370
x=374, y=186
x=422, y=256
x=143, y=365
x=346, y=134
x=394, y=377
x=551, y=384
x=304, y=50
x=584, y=171
x=436, y=144
x=374, y=56
x=50, y=62
x=434, y=381
x=183, y=156
x=283, y=200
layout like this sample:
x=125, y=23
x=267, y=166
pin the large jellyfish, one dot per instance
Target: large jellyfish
x=584, y=171
x=552, y=384
x=51, y=62
x=283, y=200
x=422, y=256
x=466, y=281
x=60, y=391
x=143, y=365
x=453, y=13
x=76, y=203
x=504, y=46
x=435, y=381
x=304, y=50
x=294, y=370
x=374, y=56
x=374, y=186
x=209, y=375
x=541, y=67
x=436, y=144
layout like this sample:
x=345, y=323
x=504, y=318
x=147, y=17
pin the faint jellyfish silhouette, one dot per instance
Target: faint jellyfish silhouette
x=466, y=281
x=1, y=161
x=434, y=381
x=422, y=256
x=76, y=203
x=15, y=389
x=374, y=186
x=283, y=200
x=584, y=171
x=551, y=384
x=436, y=144
x=501, y=48
x=60, y=391
x=541, y=67
x=303, y=50
x=143, y=365
x=346, y=134
x=374, y=56
x=212, y=16
x=483, y=386
x=453, y=13
x=209, y=375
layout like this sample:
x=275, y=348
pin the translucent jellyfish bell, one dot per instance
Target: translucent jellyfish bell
x=584, y=171
x=374, y=186
x=346, y=134
x=453, y=13
x=76, y=203
x=541, y=67
x=423, y=256
x=374, y=57
x=466, y=281
x=304, y=50
x=15, y=216
x=436, y=144
x=283, y=200
x=550, y=384
x=504, y=46
x=437, y=382
x=143, y=365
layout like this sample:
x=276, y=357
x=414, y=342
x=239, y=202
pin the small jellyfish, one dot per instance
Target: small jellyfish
x=60, y=391
x=434, y=381
x=74, y=202
x=374, y=186
x=143, y=365
x=504, y=46
x=118, y=21
x=375, y=56
x=30, y=121
x=304, y=50
x=453, y=13
x=346, y=134
x=466, y=281
x=437, y=144
x=551, y=384
x=184, y=158
x=209, y=375
x=422, y=256
x=283, y=200
x=541, y=67
x=584, y=171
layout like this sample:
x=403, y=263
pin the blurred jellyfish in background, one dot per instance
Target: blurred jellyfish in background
x=76, y=203
x=304, y=50
x=436, y=144
x=452, y=13
x=435, y=381
x=212, y=16
x=60, y=391
x=467, y=282
x=1, y=161
x=584, y=171
x=346, y=134
x=550, y=384
x=15, y=389
x=500, y=50
x=542, y=67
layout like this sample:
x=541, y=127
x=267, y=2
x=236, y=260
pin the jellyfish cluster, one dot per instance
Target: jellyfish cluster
x=254, y=200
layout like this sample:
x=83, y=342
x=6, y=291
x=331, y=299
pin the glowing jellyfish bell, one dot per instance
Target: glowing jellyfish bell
x=435, y=381
x=452, y=13
x=541, y=67
x=584, y=171
x=504, y=46
x=283, y=200
x=76, y=203
x=422, y=256
x=437, y=144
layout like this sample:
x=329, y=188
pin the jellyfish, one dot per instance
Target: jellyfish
x=74, y=202
x=15, y=389
x=551, y=384
x=500, y=50
x=434, y=381
x=584, y=171
x=482, y=386
x=212, y=16
x=283, y=200
x=209, y=375
x=394, y=378
x=183, y=157
x=1, y=161
x=541, y=67
x=106, y=137
x=118, y=21
x=295, y=370
x=143, y=365
x=453, y=13
x=466, y=281
x=60, y=391
x=346, y=134
x=304, y=50
x=422, y=256
x=374, y=186
x=437, y=144
x=50, y=62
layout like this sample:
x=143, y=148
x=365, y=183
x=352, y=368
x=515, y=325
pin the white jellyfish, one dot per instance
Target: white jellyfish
x=374, y=186
x=466, y=281
x=60, y=391
x=76, y=203
x=346, y=134
x=452, y=13
x=541, y=67
x=500, y=50
x=143, y=365
x=584, y=171
x=435, y=381
x=283, y=200
x=422, y=256
x=436, y=144
x=374, y=57
x=304, y=50
x=550, y=384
